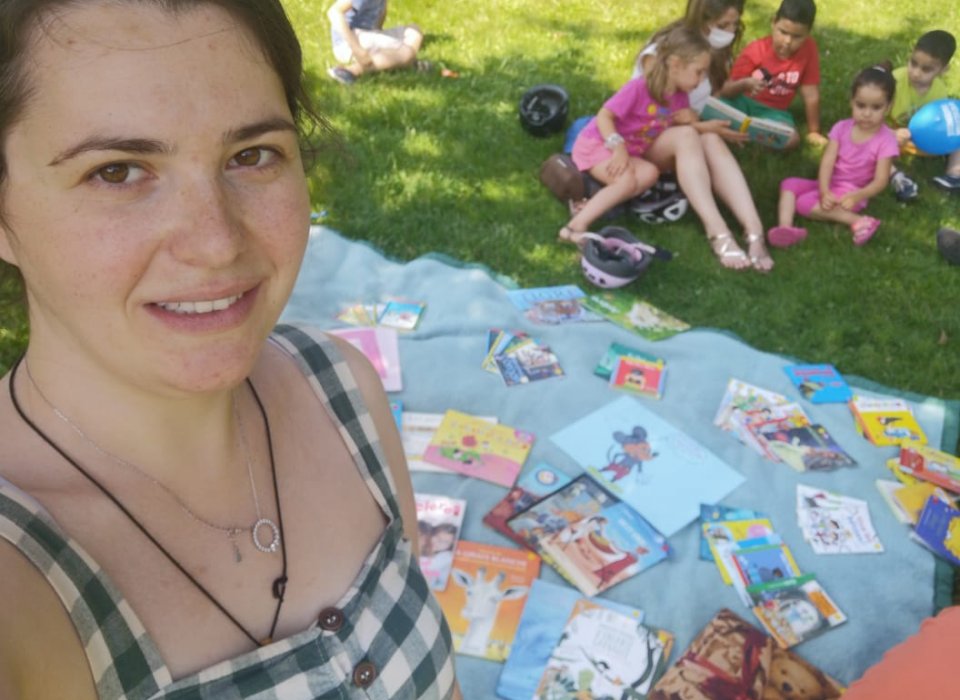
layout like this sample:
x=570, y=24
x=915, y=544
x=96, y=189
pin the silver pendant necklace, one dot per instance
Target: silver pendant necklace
x=264, y=533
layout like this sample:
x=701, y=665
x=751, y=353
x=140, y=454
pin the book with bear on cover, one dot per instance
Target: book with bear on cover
x=590, y=537
x=731, y=659
x=471, y=446
x=602, y=654
x=766, y=132
x=486, y=593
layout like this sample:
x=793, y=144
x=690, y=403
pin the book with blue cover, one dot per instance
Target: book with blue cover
x=819, y=383
x=938, y=529
x=655, y=468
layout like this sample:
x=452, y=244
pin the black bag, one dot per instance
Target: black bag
x=561, y=177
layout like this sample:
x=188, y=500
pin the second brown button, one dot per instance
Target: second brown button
x=364, y=674
x=330, y=619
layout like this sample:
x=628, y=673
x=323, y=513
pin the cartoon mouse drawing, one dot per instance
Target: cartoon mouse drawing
x=634, y=450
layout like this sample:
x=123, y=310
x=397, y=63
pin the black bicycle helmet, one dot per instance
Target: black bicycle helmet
x=663, y=202
x=543, y=109
x=614, y=257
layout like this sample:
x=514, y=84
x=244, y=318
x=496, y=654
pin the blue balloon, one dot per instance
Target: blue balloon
x=935, y=128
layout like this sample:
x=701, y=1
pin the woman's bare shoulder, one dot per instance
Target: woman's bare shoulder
x=40, y=653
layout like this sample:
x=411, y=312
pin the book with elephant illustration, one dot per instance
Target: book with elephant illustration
x=485, y=595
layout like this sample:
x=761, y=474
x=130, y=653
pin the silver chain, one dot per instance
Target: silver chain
x=231, y=531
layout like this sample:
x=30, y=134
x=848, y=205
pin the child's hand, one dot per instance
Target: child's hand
x=618, y=163
x=815, y=138
x=827, y=200
x=721, y=127
x=903, y=136
x=848, y=201
x=685, y=116
x=753, y=86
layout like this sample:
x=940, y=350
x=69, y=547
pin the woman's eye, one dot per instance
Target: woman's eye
x=115, y=173
x=253, y=157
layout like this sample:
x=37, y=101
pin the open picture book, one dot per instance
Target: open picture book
x=766, y=132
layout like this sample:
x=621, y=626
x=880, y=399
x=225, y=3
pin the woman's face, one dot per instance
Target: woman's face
x=155, y=200
x=729, y=21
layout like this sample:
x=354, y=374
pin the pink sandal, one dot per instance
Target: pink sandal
x=863, y=229
x=785, y=236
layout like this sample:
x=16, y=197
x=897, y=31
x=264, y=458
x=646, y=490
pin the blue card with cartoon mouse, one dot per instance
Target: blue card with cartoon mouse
x=657, y=469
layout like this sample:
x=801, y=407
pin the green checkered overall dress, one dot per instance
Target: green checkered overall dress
x=386, y=637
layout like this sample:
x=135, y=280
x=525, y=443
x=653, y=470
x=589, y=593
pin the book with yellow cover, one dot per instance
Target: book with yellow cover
x=886, y=421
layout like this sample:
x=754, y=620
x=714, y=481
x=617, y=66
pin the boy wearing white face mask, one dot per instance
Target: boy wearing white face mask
x=719, y=21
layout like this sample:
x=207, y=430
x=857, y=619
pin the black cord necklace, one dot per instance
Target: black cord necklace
x=279, y=584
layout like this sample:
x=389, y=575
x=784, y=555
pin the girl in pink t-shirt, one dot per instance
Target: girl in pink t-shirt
x=854, y=167
x=647, y=127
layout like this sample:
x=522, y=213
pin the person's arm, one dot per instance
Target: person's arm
x=337, y=14
x=827, y=200
x=40, y=653
x=811, y=106
x=748, y=86
x=614, y=142
x=881, y=178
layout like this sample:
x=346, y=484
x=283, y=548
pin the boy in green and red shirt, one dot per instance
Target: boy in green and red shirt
x=770, y=71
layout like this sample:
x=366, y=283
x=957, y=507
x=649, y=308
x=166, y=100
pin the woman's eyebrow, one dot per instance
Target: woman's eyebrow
x=143, y=146
x=109, y=143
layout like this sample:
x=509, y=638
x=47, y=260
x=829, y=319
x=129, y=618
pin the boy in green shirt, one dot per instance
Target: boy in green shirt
x=918, y=83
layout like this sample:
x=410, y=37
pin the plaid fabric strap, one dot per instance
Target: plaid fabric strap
x=392, y=628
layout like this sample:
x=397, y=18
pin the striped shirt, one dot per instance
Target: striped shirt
x=385, y=637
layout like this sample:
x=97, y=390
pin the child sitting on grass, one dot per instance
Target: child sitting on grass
x=769, y=72
x=918, y=83
x=854, y=167
x=648, y=126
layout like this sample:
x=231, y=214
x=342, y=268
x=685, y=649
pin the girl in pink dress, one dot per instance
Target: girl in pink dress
x=648, y=126
x=855, y=166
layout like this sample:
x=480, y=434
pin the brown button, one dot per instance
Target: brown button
x=331, y=619
x=363, y=674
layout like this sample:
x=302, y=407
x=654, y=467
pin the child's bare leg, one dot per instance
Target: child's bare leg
x=638, y=177
x=680, y=147
x=786, y=208
x=953, y=164
x=731, y=186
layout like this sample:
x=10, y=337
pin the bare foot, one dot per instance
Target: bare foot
x=576, y=205
x=757, y=252
x=730, y=255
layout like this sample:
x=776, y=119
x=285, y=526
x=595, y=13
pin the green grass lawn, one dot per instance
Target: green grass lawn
x=441, y=164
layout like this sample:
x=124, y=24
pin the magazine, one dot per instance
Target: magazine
x=485, y=596
x=439, y=519
x=766, y=132
x=601, y=654
x=652, y=466
x=590, y=537
x=819, y=383
x=471, y=446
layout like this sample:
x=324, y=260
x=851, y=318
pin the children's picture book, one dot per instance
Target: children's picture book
x=485, y=595
x=723, y=536
x=402, y=315
x=911, y=498
x=652, y=466
x=601, y=654
x=741, y=396
x=929, y=464
x=635, y=315
x=360, y=314
x=525, y=299
x=544, y=616
x=639, y=376
x=471, y=446
x=889, y=490
x=794, y=609
x=886, y=421
x=532, y=485
x=604, y=368
x=590, y=537
x=439, y=519
x=498, y=342
x=527, y=361
x=765, y=563
x=766, y=132
x=416, y=431
x=380, y=347
x=938, y=529
x=714, y=513
x=552, y=305
x=751, y=426
x=819, y=383
x=835, y=524
x=730, y=658
x=804, y=448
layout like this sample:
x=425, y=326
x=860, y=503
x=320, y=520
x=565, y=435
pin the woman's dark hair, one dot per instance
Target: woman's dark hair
x=879, y=74
x=264, y=19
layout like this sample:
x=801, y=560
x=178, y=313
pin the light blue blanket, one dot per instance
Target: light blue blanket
x=885, y=596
